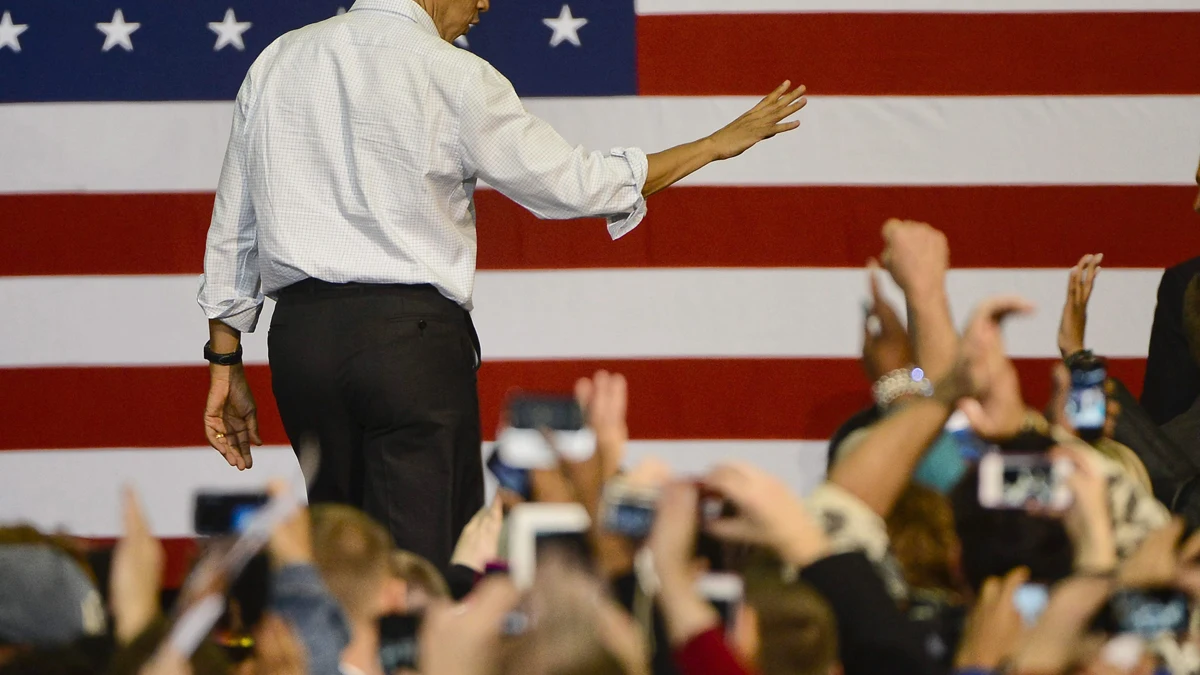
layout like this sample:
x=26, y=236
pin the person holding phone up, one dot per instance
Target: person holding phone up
x=347, y=196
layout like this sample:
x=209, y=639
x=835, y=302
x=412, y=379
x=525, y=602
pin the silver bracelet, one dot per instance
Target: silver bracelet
x=900, y=383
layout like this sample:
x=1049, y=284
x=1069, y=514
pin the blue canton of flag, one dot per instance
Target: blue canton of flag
x=200, y=50
x=561, y=47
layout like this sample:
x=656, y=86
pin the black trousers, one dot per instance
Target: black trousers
x=385, y=378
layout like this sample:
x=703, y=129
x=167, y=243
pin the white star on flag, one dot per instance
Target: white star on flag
x=117, y=32
x=566, y=27
x=461, y=41
x=9, y=32
x=341, y=11
x=229, y=32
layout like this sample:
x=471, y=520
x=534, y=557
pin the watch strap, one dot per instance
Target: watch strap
x=222, y=359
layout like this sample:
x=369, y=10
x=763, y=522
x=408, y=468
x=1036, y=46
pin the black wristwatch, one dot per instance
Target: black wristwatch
x=222, y=359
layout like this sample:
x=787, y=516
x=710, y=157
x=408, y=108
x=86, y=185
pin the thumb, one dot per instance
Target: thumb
x=252, y=427
x=976, y=416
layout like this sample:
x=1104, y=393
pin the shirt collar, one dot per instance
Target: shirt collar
x=405, y=8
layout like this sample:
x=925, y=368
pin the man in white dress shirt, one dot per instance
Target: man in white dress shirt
x=346, y=195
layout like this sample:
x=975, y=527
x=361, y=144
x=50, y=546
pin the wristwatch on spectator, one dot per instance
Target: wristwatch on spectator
x=222, y=359
x=901, y=383
x=1079, y=358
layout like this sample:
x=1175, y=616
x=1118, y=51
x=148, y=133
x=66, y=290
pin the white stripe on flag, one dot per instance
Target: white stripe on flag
x=86, y=484
x=178, y=147
x=627, y=313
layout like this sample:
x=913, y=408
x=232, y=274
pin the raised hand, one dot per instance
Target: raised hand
x=917, y=255
x=885, y=339
x=768, y=514
x=995, y=625
x=1079, y=291
x=479, y=542
x=137, y=571
x=995, y=409
x=760, y=122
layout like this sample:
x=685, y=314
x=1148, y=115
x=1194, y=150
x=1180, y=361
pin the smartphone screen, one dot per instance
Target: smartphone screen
x=509, y=478
x=1016, y=481
x=1030, y=601
x=1087, y=405
x=629, y=516
x=220, y=513
x=557, y=413
x=1148, y=613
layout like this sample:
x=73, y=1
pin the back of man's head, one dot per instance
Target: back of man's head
x=996, y=541
x=422, y=582
x=797, y=631
x=351, y=550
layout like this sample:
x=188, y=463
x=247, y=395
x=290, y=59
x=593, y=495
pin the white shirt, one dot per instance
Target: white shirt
x=354, y=154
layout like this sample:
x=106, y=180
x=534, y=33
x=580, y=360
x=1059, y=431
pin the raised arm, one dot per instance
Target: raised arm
x=759, y=123
x=523, y=157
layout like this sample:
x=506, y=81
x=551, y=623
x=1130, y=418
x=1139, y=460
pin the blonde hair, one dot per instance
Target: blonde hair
x=351, y=551
x=418, y=572
x=797, y=630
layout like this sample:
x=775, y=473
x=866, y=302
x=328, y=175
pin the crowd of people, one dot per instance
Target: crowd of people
x=894, y=564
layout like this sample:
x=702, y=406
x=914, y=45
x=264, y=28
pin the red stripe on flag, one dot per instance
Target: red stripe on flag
x=60, y=408
x=1045, y=226
x=920, y=54
x=180, y=555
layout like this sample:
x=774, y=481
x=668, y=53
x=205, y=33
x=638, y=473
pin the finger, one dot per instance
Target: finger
x=976, y=416
x=773, y=96
x=791, y=97
x=999, y=308
x=990, y=592
x=1014, y=580
x=1191, y=548
x=783, y=128
x=584, y=391
x=790, y=109
x=1073, y=284
x=135, y=522
x=727, y=479
x=1089, y=281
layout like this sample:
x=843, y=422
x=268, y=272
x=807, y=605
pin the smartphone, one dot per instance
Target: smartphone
x=523, y=443
x=1030, y=601
x=628, y=510
x=536, y=529
x=1148, y=613
x=545, y=411
x=1087, y=404
x=725, y=592
x=398, y=641
x=221, y=513
x=1016, y=481
x=510, y=478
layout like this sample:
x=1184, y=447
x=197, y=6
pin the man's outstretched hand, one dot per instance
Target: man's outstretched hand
x=230, y=417
x=760, y=122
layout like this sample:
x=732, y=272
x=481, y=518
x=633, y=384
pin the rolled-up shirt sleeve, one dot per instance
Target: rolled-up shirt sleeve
x=528, y=161
x=230, y=287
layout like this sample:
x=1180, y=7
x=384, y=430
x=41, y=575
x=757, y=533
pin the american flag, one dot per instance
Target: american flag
x=1030, y=131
